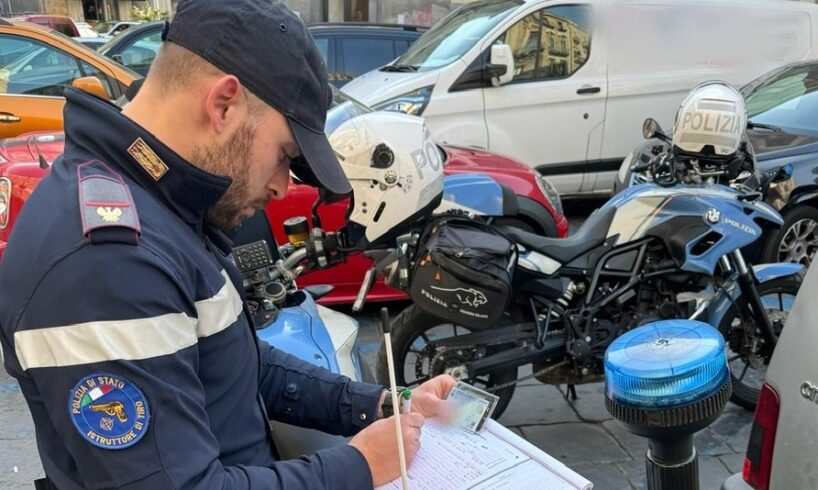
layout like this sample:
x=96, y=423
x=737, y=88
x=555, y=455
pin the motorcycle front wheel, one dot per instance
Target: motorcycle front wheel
x=412, y=331
x=748, y=368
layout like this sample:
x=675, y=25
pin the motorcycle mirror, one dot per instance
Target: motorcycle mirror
x=651, y=129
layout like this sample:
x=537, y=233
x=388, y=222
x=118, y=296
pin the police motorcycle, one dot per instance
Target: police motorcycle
x=489, y=300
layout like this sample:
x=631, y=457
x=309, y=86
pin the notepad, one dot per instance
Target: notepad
x=452, y=458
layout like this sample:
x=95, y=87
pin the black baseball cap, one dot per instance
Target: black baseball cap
x=272, y=53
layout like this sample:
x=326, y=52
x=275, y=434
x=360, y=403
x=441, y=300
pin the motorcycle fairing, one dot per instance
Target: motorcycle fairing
x=478, y=194
x=699, y=224
x=300, y=331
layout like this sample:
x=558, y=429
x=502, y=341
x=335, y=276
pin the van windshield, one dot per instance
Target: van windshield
x=447, y=41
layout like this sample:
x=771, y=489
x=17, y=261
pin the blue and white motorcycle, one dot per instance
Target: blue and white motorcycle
x=650, y=253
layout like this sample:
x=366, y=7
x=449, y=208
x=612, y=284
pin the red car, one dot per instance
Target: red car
x=20, y=171
x=63, y=25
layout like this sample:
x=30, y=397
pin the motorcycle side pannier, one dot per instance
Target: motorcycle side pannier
x=463, y=272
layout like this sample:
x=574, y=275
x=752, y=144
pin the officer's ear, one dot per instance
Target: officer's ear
x=224, y=103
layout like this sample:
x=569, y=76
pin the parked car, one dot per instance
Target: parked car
x=351, y=49
x=85, y=30
x=93, y=42
x=37, y=64
x=781, y=452
x=348, y=49
x=540, y=81
x=29, y=147
x=538, y=206
x=64, y=25
x=782, y=107
x=113, y=27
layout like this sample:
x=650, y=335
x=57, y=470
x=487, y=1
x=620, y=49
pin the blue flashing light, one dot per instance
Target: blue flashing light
x=666, y=364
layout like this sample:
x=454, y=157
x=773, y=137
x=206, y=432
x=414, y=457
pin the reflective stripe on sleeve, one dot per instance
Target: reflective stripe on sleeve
x=133, y=339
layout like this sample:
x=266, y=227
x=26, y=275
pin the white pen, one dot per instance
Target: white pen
x=387, y=340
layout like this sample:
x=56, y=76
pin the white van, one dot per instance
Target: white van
x=565, y=85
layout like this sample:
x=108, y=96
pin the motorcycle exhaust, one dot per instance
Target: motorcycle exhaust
x=553, y=348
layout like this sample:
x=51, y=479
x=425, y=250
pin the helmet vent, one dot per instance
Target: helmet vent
x=379, y=212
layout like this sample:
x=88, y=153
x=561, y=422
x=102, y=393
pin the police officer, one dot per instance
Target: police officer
x=120, y=312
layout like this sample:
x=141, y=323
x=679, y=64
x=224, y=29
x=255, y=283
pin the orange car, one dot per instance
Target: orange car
x=37, y=64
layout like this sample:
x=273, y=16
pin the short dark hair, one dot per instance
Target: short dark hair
x=175, y=66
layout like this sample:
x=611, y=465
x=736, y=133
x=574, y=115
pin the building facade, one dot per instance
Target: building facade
x=413, y=12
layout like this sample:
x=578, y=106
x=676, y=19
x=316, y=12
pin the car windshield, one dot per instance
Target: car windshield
x=787, y=100
x=450, y=38
x=104, y=27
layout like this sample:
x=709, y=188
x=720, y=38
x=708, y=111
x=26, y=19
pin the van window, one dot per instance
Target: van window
x=551, y=43
x=453, y=36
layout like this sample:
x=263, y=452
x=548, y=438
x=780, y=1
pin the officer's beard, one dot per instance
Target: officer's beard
x=230, y=160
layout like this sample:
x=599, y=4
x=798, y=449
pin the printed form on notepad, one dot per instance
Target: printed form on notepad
x=454, y=458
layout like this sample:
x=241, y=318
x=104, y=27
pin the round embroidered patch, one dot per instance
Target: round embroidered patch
x=109, y=411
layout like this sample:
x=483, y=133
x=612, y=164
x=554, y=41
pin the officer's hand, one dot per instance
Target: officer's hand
x=428, y=398
x=379, y=445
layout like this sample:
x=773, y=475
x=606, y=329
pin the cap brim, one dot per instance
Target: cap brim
x=320, y=166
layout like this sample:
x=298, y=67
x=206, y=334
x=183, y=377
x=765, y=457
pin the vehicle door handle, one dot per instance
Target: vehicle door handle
x=587, y=89
x=8, y=117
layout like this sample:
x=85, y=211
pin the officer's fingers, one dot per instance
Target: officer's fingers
x=412, y=419
x=410, y=433
x=444, y=384
x=410, y=449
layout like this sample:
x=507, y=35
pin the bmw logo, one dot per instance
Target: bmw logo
x=712, y=215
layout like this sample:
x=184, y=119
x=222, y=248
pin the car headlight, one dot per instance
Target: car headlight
x=550, y=193
x=412, y=103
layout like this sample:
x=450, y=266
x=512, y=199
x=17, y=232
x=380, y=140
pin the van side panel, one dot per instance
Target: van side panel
x=660, y=50
x=456, y=117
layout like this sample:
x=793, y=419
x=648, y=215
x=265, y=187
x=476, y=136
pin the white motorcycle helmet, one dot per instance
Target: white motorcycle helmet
x=396, y=173
x=711, y=121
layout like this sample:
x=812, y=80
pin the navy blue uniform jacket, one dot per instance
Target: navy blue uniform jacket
x=122, y=319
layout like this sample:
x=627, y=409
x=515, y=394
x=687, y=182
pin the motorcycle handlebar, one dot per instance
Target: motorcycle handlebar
x=288, y=264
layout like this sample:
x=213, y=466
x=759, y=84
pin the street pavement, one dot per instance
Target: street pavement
x=579, y=433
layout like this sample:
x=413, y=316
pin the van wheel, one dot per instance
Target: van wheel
x=797, y=240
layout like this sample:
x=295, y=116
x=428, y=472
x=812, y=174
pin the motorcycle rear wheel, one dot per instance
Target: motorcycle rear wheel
x=412, y=330
x=778, y=296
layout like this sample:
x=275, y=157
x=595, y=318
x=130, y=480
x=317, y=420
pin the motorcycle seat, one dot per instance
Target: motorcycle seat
x=591, y=234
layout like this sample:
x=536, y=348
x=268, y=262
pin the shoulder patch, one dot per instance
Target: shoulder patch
x=106, y=203
x=109, y=411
